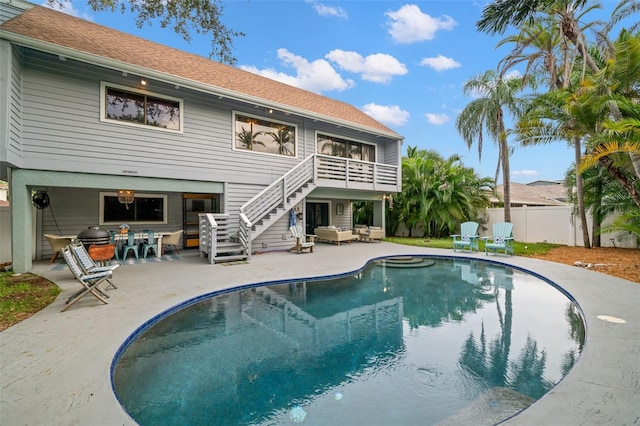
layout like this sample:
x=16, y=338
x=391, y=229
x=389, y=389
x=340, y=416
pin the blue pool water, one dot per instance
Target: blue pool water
x=403, y=341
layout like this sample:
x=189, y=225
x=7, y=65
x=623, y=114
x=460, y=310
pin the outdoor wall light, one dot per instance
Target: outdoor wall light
x=388, y=198
x=126, y=197
x=143, y=82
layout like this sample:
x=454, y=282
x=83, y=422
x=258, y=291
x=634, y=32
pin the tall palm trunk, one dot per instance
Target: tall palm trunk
x=580, y=194
x=506, y=176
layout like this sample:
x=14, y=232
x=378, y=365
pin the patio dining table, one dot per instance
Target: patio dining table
x=140, y=236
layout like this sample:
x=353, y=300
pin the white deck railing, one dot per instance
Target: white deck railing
x=321, y=170
x=276, y=194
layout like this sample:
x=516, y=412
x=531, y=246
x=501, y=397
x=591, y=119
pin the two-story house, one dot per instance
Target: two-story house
x=115, y=129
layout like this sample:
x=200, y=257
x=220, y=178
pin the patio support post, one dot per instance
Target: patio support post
x=378, y=214
x=21, y=222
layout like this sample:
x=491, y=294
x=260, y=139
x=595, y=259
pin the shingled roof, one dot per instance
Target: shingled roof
x=534, y=195
x=84, y=40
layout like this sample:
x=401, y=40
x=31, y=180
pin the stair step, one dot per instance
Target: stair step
x=220, y=259
x=234, y=249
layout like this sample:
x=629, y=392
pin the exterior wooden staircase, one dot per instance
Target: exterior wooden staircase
x=220, y=243
x=256, y=215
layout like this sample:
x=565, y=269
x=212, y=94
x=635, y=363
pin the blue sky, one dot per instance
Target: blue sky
x=404, y=63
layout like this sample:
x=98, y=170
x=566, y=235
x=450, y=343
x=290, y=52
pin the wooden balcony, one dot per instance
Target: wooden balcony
x=335, y=172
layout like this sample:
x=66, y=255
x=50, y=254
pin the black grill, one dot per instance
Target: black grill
x=94, y=235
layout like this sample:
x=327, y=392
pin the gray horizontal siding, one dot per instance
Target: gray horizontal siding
x=15, y=114
x=11, y=98
x=62, y=130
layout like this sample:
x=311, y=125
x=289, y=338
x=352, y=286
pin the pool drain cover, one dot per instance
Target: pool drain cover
x=609, y=318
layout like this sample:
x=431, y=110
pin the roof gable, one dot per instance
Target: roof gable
x=49, y=26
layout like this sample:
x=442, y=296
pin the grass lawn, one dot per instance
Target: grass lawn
x=22, y=295
x=520, y=249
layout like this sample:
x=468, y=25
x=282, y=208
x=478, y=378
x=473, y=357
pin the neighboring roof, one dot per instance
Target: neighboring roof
x=534, y=195
x=545, y=182
x=87, y=41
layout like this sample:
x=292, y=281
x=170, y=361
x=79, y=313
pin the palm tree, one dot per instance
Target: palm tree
x=497, y=16
x=439, y=193
x=487, y=114
x=545, y=47
x=612, y=95
x=282, y=138
x=248, y=138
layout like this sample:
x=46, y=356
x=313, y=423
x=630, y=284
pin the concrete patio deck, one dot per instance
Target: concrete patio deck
x=55, y=366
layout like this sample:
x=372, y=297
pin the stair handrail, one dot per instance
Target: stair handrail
x=208, y=236
x=244, y=234
x=280, y=190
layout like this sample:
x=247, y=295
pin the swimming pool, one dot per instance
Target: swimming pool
x=432, y=343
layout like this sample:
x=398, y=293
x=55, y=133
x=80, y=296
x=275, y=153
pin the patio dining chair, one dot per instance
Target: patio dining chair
x=130, y=245
x=87, y=263
x=90, y=281
x=116, y=243
x=150, y=243
x=172, y=240
x=56, y=242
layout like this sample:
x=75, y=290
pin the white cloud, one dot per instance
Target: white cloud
x=525, y=173
x=65, y=6
x=324, y=10
x=387, y=114
x=316, y=76
x=440, y=63
x=408, y=24
x=437, y=118
x=512, y=74
x=379, y=68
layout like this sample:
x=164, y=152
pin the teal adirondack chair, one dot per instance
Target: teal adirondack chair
x=468, y=237
x=502, y=239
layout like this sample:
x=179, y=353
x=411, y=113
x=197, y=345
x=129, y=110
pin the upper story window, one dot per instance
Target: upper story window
x=338, y=147
x=145, y=209
x=266, y=136
x=130, y=106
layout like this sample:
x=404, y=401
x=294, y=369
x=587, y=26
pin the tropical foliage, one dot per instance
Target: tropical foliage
x=591, y=98
x=438, y=194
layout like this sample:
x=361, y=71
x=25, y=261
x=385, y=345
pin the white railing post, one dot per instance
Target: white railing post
x=208, y=236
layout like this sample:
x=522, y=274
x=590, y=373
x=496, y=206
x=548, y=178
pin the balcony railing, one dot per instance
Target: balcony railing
x=339, y=172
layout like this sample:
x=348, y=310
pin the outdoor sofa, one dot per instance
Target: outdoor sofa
x=333, y=234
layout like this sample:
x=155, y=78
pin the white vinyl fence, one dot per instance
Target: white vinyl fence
x=551, y=224
x=5, y=234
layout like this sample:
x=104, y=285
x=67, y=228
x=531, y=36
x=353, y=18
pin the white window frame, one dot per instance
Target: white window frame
x=103, y=107
x=345, y=138
x=165, y=212
x=263, y=118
